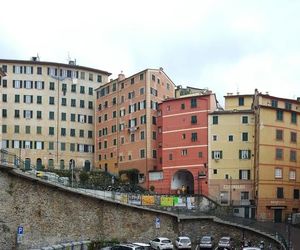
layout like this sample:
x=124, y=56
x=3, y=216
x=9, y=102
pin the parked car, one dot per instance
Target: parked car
x=225, y=242
x=161, y=243
x=126, y=246
x=145, y=246
x=206, y=242
x=252, y=248
x=183, y=242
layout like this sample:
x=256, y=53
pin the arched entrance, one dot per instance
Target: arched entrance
x=39, y=164
x=87, y=166
x=27, y=164
x=183, y=178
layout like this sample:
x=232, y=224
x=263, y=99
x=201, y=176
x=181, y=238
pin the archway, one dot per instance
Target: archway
x=183, y=178
x=39, y=164
x=62, y=164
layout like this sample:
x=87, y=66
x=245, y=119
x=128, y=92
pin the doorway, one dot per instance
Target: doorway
x=278, y=215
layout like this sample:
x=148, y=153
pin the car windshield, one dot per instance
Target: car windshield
x=224, y=240
x=205, y=239
x=185, y=240
x=166, y=241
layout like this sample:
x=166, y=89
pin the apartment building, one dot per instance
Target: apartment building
x=183, y=143
x=277, y=170
x=47, y=112
x=231, y=155
x=126, y=123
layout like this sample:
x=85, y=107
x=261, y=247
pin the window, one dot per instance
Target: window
x=217, y=154
x=17, y=113
x=82, y=89
x=28, y=98
x=215, y=119
x=154, y=154
x=182, y=106
x=27, y=129
x=193, y=102
x=51, y=86
x=294, y=117
x=153, y=91
x=63, y=131
x=4, y=98
x=39, y=71
x=39, y=99
x=296, y=194
x=142, y=135
x=39, y=130
x=143, y=119
x=90, y=105
x=153, y=120
x=245, y=119
x=39, y=114
x=279, y=134
x=4, y=129
x=17, y=98
x=194, y=119
x=72, y=132
x=293, y=155
x=90, y=134
x=39, y=85
x=154, y=135
x=230, y=137
x=278, y=173
x=244, y=136
x=63, y=146
x=51, y=130
x=279, y=115
x=293, y=137
x=215, y=171
x=64, y=101
x=279, y=154
x=51, y=115
x=288, y=105
x=132, y=80
x=244, y=195
x=4, y=113
x=51, y=100
x=153, y=78
x=184, y=152
x=142, y=153
x=73, y=102
x=280, y=192
x=114, y=114
x=131, y=95
x=99, y=78
x=183, y=136
x=81, y=103
x=17, y=84
x=73, y=117
x=245, y=154
x=63, y=116
x=292, y=175
x=141, y=77
x=91, y=77
x=244, y=174
x=81, y=133
x=39, y=145
x=142, y=91
x=132, y=137
x=28, y=84
x=274, y=103
x=241, y=101
x=91, y=91
x=17, y=129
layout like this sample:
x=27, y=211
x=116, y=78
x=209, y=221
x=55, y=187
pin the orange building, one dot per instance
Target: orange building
x=126, y=123
x=183, y=144
x=277, y=157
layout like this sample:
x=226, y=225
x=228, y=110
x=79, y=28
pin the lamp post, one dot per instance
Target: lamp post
x=289, y=231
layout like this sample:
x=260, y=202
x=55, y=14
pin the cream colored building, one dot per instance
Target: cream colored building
x=47, y=112
x=231, y=155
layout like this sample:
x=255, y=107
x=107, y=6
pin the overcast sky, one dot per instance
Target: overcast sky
x=226, y=46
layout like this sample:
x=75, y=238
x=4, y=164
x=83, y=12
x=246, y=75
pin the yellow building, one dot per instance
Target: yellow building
x=277, y=170
x=47, y=112
x=231, y=151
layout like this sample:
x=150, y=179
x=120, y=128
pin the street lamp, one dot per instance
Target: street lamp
x=72, y=165
x=289, y=231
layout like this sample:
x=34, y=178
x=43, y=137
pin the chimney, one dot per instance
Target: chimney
x=121, y=76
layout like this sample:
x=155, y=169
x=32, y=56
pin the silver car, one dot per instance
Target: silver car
x=183, y=242
x=206, y=242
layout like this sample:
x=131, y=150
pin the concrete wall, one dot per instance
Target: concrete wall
x=51, y=215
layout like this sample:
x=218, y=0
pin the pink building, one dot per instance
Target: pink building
x=183, y=143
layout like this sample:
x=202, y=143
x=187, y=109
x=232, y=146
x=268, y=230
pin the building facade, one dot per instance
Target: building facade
x=231, y=155
x=277, y=157
x=183, y=143
x=126, y=125
x=47, y=112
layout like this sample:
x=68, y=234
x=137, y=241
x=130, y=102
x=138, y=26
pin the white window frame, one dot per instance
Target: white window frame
x=217, y=155
x=244, y=174
x=27, y=85
x=27, y=144
x=292, y=175
x=245, y=154
x=81, y=148
x=278, y=173
x=16, y=144
x=38, y=145
x=27, y=98
x=39, y=85
x=28, y=114
x=17, y=84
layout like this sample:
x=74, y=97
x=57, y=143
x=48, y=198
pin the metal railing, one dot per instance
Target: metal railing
x=183, y=209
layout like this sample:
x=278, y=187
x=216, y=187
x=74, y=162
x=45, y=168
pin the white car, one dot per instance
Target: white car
x=161, y=243
x=225, y=242
x=183, y=242
x=145, y=246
